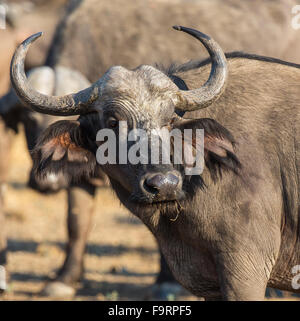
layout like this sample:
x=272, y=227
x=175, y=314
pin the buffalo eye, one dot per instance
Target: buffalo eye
x=112, y=122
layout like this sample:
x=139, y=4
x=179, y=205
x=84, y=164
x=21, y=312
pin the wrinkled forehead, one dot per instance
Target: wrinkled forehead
x=146, y=90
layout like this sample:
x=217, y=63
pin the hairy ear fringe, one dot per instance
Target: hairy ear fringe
x=63, y=148
x=215, y=162
x=219, y=146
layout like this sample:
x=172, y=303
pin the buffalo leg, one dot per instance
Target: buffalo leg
x=240, y=279
x=80, y=210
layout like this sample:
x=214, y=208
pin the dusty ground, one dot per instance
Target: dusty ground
x=122, y=258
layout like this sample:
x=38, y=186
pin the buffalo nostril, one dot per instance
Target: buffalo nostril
x=173, y=179
x=155, y=181
x=161, y=183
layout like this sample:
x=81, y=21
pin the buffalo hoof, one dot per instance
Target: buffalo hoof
x=3, y=284
x=166, y=291
x=58, y=290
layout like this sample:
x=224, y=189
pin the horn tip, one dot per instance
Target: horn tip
x=177, y=27
x=37, y=35
x=32, y=38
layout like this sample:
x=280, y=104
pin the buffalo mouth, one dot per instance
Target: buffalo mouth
x=145, y=200
x=170, y=208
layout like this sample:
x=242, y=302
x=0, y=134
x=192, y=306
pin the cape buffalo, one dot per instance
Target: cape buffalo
x=86, y=43
x=229, y=232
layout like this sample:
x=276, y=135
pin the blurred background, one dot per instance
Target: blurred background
x=121, y=259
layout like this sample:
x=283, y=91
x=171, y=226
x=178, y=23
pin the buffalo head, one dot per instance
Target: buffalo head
x=145, y=98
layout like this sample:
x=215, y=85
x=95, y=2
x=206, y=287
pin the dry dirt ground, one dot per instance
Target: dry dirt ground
x=122, y=258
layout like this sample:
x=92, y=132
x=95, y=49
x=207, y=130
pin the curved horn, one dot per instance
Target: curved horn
x=204, y=96
x=72, y=104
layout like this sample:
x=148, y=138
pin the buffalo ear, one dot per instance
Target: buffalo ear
x=219, y=145
x=63, y=147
